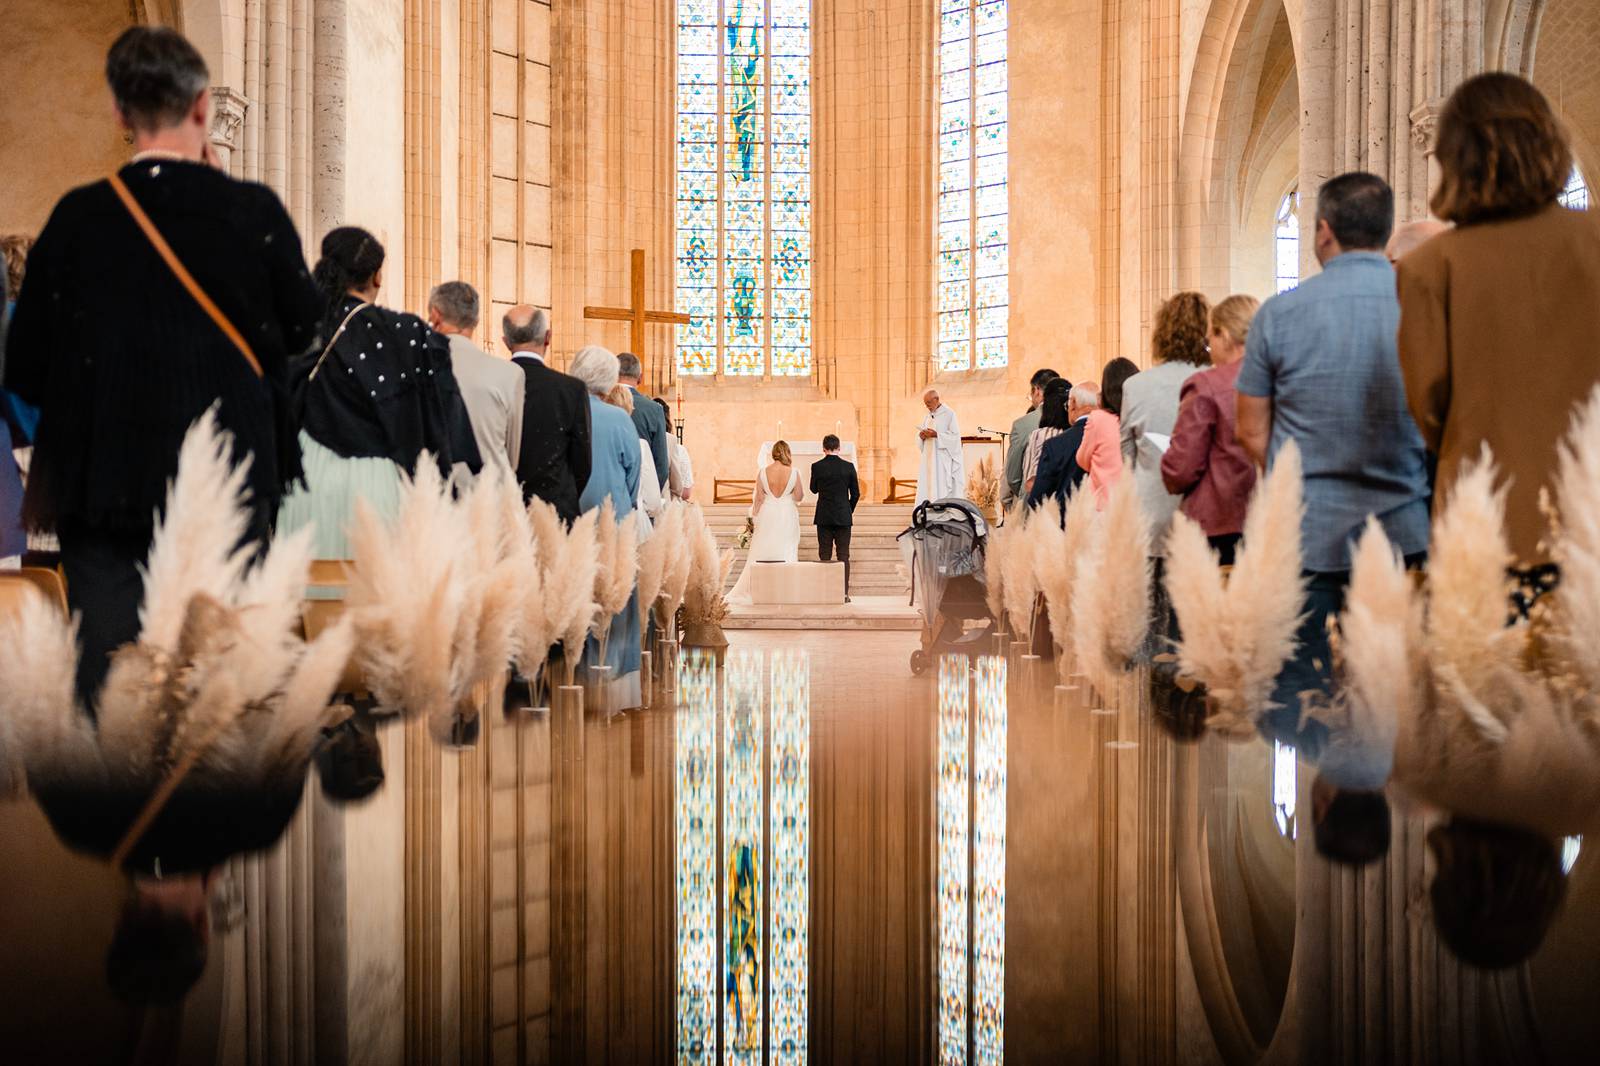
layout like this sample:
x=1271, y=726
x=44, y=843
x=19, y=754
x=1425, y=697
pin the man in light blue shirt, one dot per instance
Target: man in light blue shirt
x=1321, y=368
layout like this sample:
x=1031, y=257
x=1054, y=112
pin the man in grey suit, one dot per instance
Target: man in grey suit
x=1021, y=430
x=648, y=417
x=492, y=388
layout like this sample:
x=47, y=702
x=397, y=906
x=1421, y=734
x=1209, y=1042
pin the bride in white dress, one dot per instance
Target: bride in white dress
x=775, y=512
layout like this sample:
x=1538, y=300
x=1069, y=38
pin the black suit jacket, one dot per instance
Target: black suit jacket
x=1059, y=474
x=556, y=457
x=834, y=482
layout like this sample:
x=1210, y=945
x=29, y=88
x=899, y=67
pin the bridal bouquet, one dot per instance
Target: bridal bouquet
x=743, y=539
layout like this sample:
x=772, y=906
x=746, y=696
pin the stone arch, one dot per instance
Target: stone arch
x=1241, y=108
x=1564, y=62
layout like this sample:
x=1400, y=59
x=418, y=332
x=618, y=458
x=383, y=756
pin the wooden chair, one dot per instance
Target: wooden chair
x=47, y=580
x=317, y=615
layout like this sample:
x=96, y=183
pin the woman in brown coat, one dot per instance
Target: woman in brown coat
x=1515, y=286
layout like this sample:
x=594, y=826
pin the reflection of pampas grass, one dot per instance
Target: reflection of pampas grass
x=1111, y=589
x=1238, y=635
x=1575, y=608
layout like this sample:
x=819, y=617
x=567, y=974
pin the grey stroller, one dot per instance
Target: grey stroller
x=944, y=554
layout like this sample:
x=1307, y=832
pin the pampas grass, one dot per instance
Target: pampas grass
x=680, y=565
x=653, y=556
x=994, y=575
x=1111, y=587
x=705, y=597
x=1019, y=589
x=1574, y=617
x=616, y=574
x=570, y=584
x=218, y=681
x=983, y=485
x=1237, y=636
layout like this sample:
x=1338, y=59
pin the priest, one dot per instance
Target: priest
x=941, y=474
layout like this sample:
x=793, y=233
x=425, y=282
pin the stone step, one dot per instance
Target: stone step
x=866, y=611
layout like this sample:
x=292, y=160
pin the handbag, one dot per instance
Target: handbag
x=159, y=243
x=301, y=379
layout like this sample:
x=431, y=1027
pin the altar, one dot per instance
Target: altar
x=804, y=453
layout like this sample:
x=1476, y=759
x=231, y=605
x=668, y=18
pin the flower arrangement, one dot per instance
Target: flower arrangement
x=983, y=485
x=743, y=539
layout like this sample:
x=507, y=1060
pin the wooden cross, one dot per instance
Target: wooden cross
x=635, y=312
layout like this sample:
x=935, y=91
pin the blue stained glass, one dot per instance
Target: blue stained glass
x=744, y=167
x=973, y=162
x=790, y=332
x=791, y=303
x=790, y=828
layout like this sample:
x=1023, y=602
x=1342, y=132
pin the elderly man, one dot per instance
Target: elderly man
x=554, y=460
x=1059, y=473
x=492, y=388
x=1321, y=368
x=648, y=417
x=1413, y=235
x=1021, y=430
x=942, y=473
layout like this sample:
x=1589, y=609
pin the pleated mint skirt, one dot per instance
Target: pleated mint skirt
x=329, y=502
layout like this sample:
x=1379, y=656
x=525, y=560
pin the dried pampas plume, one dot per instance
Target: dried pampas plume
x=1575, y=613
x=1111, y=588
x=569, y=585
x=994, y=575
x=705, y=597
x=1019, y=590
x=1380, y=642
x=653, y=556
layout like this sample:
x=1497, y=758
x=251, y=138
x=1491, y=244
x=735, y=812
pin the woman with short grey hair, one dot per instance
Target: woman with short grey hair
x=597, y=368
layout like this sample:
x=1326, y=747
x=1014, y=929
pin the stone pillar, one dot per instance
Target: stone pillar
x=228, y=109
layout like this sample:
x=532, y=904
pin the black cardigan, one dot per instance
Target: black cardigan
x=121, y=360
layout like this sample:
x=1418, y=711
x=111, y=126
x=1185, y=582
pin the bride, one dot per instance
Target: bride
x=775, y=512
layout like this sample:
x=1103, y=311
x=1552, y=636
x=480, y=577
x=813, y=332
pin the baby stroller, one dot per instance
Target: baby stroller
x=944, y=551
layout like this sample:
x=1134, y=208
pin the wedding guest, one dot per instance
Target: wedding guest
x=647, y=417
x=1518, y=274
x=1021, y=430
x=1411, y=236
x=615, y=469
x=1053, y=422
x=555, y=458
x=379, y=394
x=1320, y=368
x=648, y=500
x=680, y=470
x=1205, y=463
x=1059, y=473
x=120, y=358
x=1150, y=405
x=13, y=541
x=492, y=388
x=1100, y=454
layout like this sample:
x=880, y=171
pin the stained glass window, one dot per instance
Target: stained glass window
x=1286, y=241
x=973, y=236
x=696, y=796
x=747, y=936
x=953, y=859
x=744, y=187
x=989, y=864
x=1576, y=194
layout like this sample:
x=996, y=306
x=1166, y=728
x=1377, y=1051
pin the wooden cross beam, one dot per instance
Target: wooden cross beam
x=635, y=312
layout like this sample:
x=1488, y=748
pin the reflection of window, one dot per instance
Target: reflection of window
x=1569, y=853
x=1576, y=194
x=976, y=768
x=1283, y=788
x=1286, y=241
x=973, y=223
x=744, y=186
x=748, y=941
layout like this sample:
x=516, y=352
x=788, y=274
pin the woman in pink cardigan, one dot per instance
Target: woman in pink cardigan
x=1100, y=454
x=1205, y=463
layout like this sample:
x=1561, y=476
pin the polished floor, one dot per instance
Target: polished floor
x=807, y=854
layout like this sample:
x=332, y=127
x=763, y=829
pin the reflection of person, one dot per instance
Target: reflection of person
x=1518, y=273
x=1320, y=368
x=1495, y=891
x=121, y=358
x=162, y=940
x=1351, y=825
x=1021, y=430
x=838, y=490
x=555, y=458
x=941, y=474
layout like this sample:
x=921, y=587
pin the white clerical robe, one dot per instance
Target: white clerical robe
x=942, y=473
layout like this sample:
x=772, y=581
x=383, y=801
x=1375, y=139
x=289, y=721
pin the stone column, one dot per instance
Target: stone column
x=228, y=110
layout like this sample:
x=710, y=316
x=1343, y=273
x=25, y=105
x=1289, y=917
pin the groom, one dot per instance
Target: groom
x=833, y=480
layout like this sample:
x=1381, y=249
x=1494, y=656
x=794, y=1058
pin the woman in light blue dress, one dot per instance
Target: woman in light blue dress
x=614, y=475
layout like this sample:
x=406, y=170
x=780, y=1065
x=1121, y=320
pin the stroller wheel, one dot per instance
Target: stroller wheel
x=919, y=661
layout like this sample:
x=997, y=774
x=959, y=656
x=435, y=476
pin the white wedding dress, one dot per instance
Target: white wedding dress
x=776, y=538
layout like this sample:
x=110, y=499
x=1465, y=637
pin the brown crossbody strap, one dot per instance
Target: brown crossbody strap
x=161, y=246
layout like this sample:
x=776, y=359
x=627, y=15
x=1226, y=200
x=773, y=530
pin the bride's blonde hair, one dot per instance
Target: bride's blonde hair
x=781, y=454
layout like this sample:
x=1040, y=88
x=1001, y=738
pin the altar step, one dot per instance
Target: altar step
x=864, y=612
x=876, y=565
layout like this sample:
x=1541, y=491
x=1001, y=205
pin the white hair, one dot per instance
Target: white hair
x=1084, y=396
x=596, y=367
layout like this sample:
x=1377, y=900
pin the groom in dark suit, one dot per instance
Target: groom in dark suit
x=833, y=481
